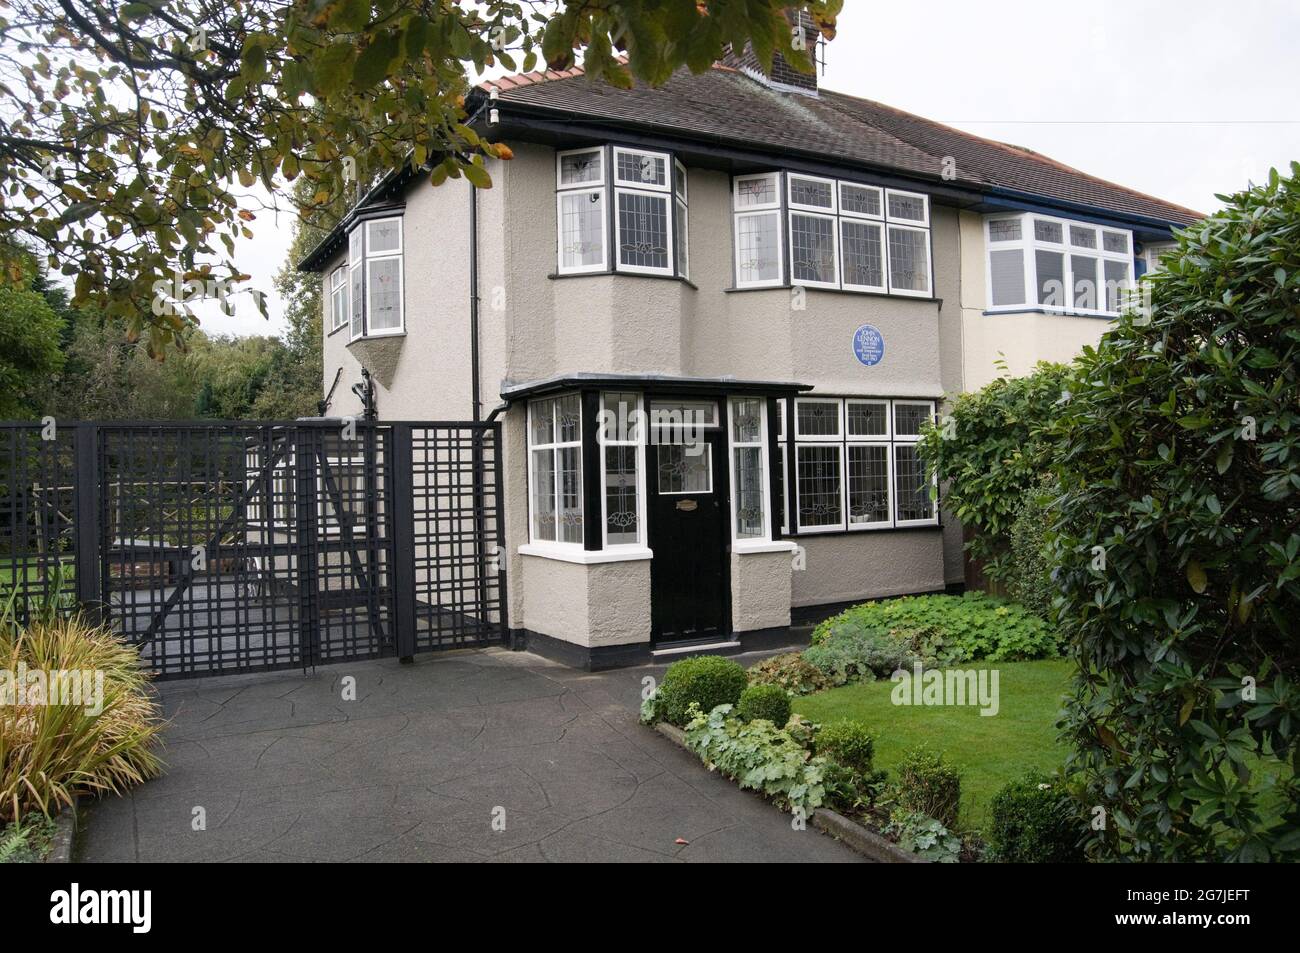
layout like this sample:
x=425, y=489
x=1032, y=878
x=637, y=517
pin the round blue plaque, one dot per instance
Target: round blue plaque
x=868, y=345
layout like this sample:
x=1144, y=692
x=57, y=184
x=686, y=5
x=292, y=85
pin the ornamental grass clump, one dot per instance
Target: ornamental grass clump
x=51, y=753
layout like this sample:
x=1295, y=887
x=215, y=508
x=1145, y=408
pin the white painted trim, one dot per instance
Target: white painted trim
x=929, y=262
x=880, y=195
x=573, y=186
x=603, y=264
x=779, y=280
x=775, y=204
x=827, y=527
x=572, y=553
x=669, y=252
x=835, y=253
x=883, y=287
x=831, y=209
x=667, y=158
x=765, y=477
x=639, y=444
x=745, y=547
x=888, y=446
x=923, y=222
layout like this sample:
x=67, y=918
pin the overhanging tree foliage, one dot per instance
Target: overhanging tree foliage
x=1178, y=549
x=132, y=131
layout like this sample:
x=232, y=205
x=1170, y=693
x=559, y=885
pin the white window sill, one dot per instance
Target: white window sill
x=586, y=557
x=744, y=547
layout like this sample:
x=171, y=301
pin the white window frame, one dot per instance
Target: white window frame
x=847, y=213
x=1030, y=244
x=671, y=252
x=765, y=480
x=923, y=222
x=880, y=226
x=888, y=523
x=792, y=177
x=560, y=196
x=340, y=306
x=779, y=280
x=739, y=209
x=637, y=184
x=555, y=446
x=827, y=527
x=360, y=257
x=639, y=422
x=890, y=441
x=599, y=182
x=781, y=411
x=835, y=241
x=928, y=290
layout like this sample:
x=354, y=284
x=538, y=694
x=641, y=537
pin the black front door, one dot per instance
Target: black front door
x=689, y=576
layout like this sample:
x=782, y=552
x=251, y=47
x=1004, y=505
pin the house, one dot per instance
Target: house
x=712, y=318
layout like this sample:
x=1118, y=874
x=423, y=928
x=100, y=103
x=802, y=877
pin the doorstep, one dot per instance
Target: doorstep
x=599, y=658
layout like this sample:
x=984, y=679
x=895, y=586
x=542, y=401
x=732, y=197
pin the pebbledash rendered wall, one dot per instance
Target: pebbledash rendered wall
x=533, y=325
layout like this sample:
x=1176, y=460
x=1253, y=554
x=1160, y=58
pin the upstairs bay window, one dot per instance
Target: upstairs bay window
x=856, y=466
x=841, y=235
x=1057, y=265
x=620, y=209
x=374, y=286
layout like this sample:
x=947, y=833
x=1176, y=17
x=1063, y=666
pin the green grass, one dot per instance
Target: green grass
x=989, y=751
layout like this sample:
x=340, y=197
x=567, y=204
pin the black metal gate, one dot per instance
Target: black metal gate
x=248, y=546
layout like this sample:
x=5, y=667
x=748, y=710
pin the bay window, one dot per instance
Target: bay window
x=840, y=235
x=555, y=470
x=1057, y=265
x=374, y=284
x=856, y=465
x=646, y=224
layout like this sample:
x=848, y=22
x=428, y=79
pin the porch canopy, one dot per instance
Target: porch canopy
x=726, y=384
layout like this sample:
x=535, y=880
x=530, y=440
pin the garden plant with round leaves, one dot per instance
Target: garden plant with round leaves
x=1176, y=549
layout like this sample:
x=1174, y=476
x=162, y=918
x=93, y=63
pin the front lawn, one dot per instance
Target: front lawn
x=989, y=751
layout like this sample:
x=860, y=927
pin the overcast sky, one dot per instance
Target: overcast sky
x=1180, y=100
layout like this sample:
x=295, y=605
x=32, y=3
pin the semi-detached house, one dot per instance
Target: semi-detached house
x=712, y=318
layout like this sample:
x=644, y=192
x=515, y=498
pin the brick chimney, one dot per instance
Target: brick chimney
x=784, y=76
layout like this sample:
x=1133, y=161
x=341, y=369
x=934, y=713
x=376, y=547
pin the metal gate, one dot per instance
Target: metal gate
x=249, y=546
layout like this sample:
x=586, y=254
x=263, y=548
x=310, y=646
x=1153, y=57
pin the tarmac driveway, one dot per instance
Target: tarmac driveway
x=473, y=755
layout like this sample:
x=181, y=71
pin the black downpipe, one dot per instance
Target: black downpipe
x=480, y=476
x=473, y=304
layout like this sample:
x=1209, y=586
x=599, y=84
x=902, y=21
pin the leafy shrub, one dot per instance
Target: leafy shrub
x=759, y=756
x=854, y=652
x=949, y=629
x=764, y=701
x=1180, y=464
x=927, y=784
x=49, y=754
x=849, y=743
x=994, y=449
x=1034, y=822
x=1029, y=571
x=790, y=671
x=26, y=841
x=709, y=680
x=924, y=836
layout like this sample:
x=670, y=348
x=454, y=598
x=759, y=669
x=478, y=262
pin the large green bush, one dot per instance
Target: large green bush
x=929, y=785
x=849, y=743
x=764, y=701
x=708, y=680
x=1035, y=822
x=1178, y=548
x=991, y=448
x=949, y=628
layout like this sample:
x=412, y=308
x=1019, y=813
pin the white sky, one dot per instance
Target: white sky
x=1180, y=100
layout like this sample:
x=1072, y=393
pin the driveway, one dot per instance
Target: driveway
x=475, y=755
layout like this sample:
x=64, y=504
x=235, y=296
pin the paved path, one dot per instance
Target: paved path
x=286, y=770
